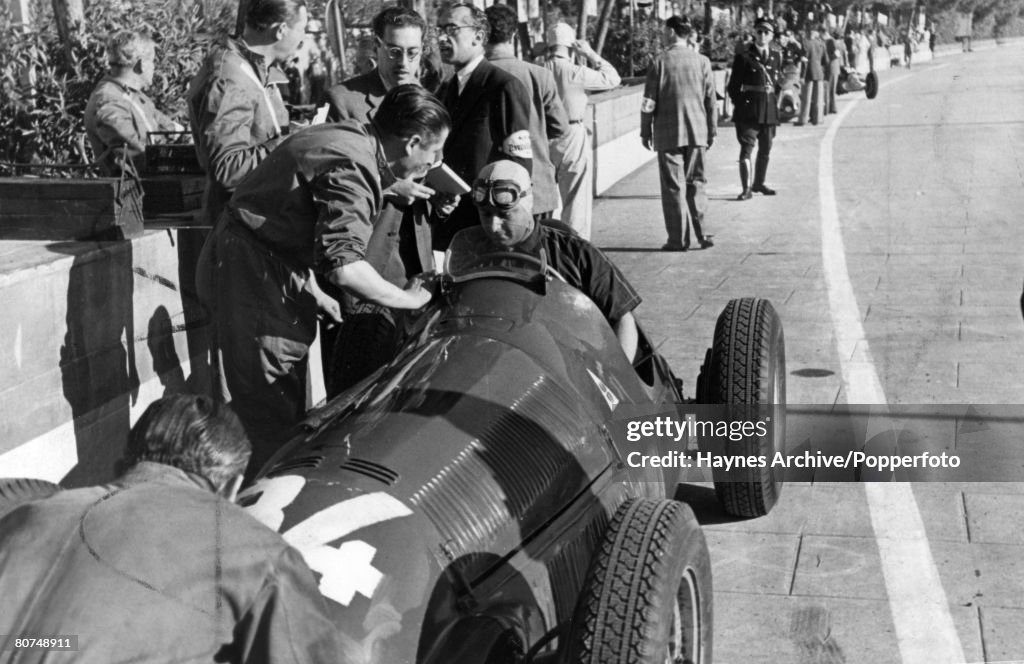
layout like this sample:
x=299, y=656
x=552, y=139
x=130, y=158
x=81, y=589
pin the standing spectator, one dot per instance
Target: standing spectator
x=547, y=114
x=811, y=96
x=754, y=89
x=793, y=53
x=310, y=206
x=235, y=110
x=160, y=566
x=908, y=46
x=365, y=60
x=119, y=116
x=490, y=109
x=679, y=119
x=398, y=40
x=835, y=50
x=572, y=154
x=400, y=244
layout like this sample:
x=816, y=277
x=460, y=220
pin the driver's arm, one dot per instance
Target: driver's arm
x=625, y=330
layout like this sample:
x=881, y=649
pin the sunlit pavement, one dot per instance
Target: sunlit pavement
x=926, y=186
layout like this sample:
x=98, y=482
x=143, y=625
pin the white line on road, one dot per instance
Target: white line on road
x=920, y=611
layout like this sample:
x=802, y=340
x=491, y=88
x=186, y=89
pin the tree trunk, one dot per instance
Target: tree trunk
x=602, y=25
x=69, y=16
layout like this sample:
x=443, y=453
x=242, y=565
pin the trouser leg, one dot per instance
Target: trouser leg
x=571, y=154
x=671, y=171
x=805, y=101
x=816, y=101
x=264, y=323
x=764, y=150
x=696, y=199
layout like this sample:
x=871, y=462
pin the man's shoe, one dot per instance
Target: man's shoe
x=761, y=189
x=745, y=195
x=673, y=246
x=706, y=242
x=799, y=124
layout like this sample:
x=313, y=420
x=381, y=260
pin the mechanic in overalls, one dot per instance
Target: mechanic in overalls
x=503, y=195
x=753, y=89
x=309, y=208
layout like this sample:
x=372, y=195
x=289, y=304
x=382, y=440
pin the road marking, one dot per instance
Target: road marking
x=920, y=611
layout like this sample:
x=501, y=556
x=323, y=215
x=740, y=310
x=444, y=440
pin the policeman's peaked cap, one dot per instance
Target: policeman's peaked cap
x=766, y=23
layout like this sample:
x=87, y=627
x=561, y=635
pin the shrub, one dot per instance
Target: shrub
x=46, y=83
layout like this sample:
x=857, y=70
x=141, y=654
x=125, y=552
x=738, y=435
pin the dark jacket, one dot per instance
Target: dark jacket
x=754, y=87
x=490, y=121
x=548, y=121
x=401, y=241
x=356, y=98
x=157, y=568
x=817, y=59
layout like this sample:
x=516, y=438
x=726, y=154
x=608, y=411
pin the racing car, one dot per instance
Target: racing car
x=851, y=80
x=471, y=501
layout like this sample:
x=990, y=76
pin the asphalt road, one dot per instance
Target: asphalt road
x=892, y=254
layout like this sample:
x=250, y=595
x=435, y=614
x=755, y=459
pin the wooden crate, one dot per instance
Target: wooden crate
x=172, y=193
x=72, y=209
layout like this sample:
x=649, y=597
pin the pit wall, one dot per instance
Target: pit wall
x=92, y=334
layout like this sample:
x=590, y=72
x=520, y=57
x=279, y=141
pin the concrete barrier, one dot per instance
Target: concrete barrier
x=614, y=119
x=94, y=333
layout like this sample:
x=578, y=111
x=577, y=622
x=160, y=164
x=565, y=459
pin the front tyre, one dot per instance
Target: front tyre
x=647, y=598
x=746, y=370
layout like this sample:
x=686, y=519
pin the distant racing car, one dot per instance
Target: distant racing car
x=471, y=502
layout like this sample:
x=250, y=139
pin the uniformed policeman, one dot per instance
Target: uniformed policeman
x=119, y=116
x=753, y=89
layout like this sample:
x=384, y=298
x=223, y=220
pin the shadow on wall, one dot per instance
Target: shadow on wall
x=106, y=377
x=98, y=365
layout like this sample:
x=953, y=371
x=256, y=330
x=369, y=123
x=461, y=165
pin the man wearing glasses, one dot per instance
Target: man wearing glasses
x=398, y=33
x=490, y=109
x=754, y=88
x=503, y=196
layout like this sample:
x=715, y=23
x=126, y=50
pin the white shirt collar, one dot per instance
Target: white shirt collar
x=463, y=74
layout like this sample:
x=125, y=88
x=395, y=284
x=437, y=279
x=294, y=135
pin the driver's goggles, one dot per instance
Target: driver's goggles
x=501, y=194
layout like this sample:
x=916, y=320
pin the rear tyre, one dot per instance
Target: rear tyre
x=647, y=598
x=871, y=85
x=746, y=370
x=366, y=341
x=17, y=491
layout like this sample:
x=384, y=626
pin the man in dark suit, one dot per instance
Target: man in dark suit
x=548, y=120
x=679, y=119
x=814, y=79
x=398, y=33
x=753, y=89
x=490, y=109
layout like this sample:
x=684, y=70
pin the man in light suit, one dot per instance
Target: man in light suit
x=490, y=109
x=679, y=119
